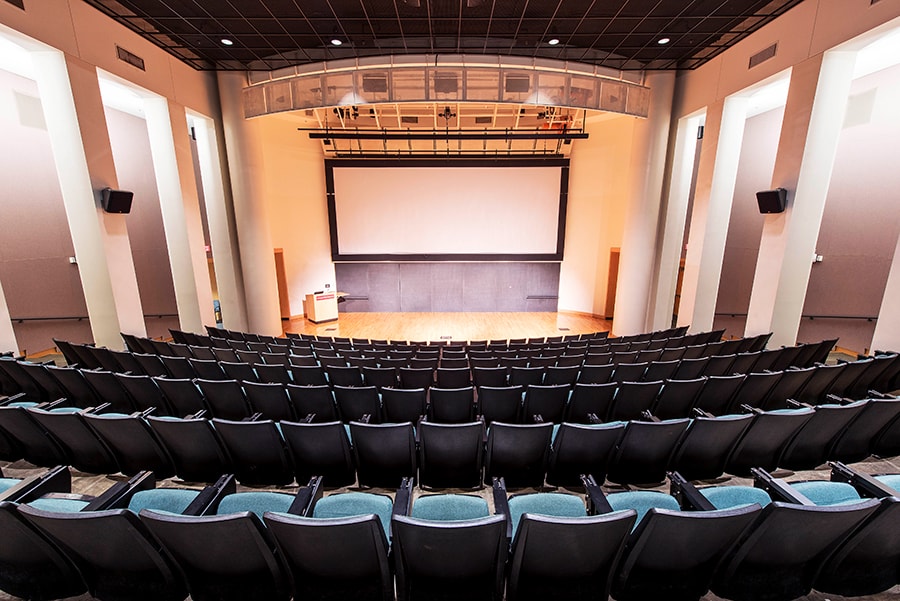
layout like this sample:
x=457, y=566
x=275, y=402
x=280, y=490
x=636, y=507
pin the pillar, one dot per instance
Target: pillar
x=73, y=108
x=887, y=330
x=243, y=141
x=180, y=207
x=638, y=251
x=7, y=333
x=817, y=101
x=719, y=157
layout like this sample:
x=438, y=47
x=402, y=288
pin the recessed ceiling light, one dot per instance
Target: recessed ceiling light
x=336, y=42
x=663, y=41
x=553, y=41
x=227, y=42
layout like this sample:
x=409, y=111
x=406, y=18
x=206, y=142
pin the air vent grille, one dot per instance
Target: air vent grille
x=763, y=55
x=129, y=57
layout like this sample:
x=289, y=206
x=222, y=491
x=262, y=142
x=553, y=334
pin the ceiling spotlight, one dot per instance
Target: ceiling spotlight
x=336, y=42
x=553, y=41
x=226, y=42
x=663, y=41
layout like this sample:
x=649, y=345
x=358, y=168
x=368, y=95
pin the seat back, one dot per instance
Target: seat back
x=645, y=450
x=450, y=560
x=384, y=453
x=704, y=451
x=339, y=558
x=450, y=455
x=518, y=453
x=242, y=565
x=452, y=405
x=320, y=449
x=582, y=449
x=194, y=446
x=257, y=451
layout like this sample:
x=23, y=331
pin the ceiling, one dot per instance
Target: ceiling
x=272, y=34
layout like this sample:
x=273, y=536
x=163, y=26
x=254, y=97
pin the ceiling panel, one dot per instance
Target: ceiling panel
x=620, y=34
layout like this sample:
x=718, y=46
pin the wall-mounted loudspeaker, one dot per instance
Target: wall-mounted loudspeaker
x=116, y=201
x=772, y=201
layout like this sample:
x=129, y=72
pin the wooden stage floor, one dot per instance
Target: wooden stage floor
x=451, y=326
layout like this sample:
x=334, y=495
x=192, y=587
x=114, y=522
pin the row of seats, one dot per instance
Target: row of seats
x=772, y=541
x=449, y=455
x=572, y=394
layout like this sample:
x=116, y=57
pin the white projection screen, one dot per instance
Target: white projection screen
x=447, y=210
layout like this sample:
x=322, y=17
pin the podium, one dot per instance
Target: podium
x=321, y=307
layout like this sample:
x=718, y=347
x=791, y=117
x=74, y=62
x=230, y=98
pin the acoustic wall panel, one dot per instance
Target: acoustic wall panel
x=448, y=287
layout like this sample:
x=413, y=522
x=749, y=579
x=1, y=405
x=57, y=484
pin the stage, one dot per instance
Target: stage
x=456, y=327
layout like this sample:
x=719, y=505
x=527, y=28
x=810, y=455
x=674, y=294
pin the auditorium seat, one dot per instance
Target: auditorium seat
x=133, y=444
x=787, y=388
x=715, y=396
x=308, y=375
x=258, y=453
x=384, y=453
x=144, y=393
x=518, y=453
x=83, y=449
x=28, y=437
x=317, y=401
x=355, y=402
x=857, y=441
x=243, y=565
x=754, y=391
x=416, y=377
x=182, y=395
x=645, y=450
x=595, y=374
x=493, y=376
x=75, y=386
x=810, y=447
x=547, y=401
x=451, y=405
x=633, y=398
x=500, y=403
x=403, y=404
x=589, y=400
x=195, y=447
x=242, y=372
x=558, y=550
x=818, y=384
x=704, y=451
x=270, y=400
x=671, y=553
x=151, y=364
x=320, y=449
x=578, y=449
x=676, y=399
x=450, y=455
x=108, y=389
x=462, y=559
x=225, y=398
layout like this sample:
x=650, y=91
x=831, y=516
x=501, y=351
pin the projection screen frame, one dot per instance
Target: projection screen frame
x=447, y=162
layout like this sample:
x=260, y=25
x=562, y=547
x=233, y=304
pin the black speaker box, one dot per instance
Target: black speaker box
x=517, y=83
x=116, y=201
x=772, y=201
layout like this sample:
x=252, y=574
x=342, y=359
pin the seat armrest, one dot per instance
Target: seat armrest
x=57, y=479
x=537, y=418
x=748, y=409
x=6, y=400
x=698, y=412
x=404, y=497
x=865, y=484
x=596, y=500
x=199, y=415
x=798, y=405
x=253, y=418
x=501, y=502
x=689, y=498
x=778, y=489
x=119, y=494
x=96, y=410
x=592, y=417
x=649, y=417
x=207, y=502
x=63, y=402
x=310, y=418
x=307, y=497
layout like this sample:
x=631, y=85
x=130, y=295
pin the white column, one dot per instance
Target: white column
x=887, y=330
x=648, y=162
x=669, y=261
x=817, y=101
x=179, y=204
x=70, y=94
x=7, y=333
x=712, y=212
x=222, y=231
x=243, y=141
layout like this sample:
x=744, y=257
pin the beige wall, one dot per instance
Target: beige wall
x=78, y=29
x=295, y=193
x=598, y=195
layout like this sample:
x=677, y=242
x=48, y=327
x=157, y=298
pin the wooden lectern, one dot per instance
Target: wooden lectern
x=321, y=306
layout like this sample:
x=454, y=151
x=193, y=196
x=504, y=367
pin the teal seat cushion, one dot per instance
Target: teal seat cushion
x=255, y=502
x=642, y=501
x=448, y=508
x=111, y=414
x=171, y=500
x=732, y=497
x=552, y=504
x=66, y=410
x=353, y=504
x=892, y=480
x=59, y=505
x=824, y=492
x=7, y=483
x=25, y=404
